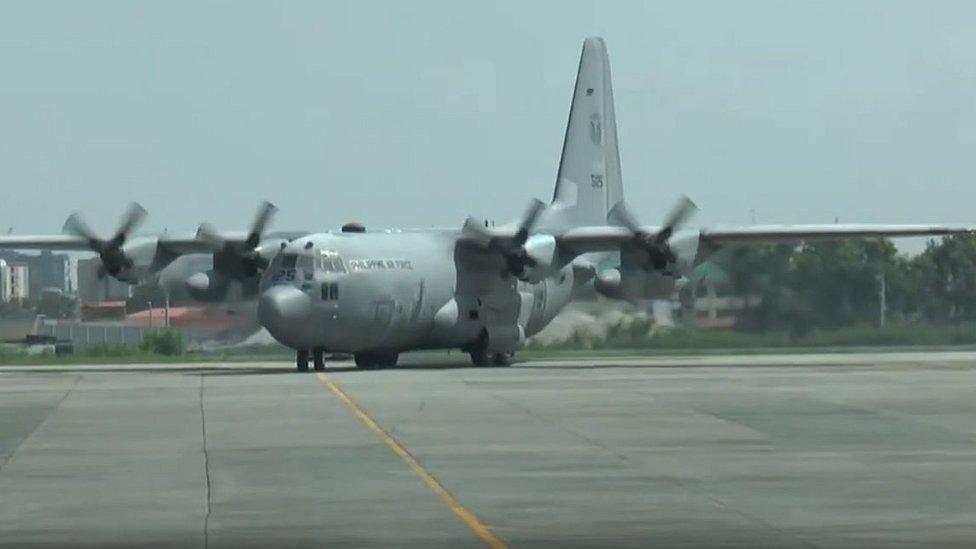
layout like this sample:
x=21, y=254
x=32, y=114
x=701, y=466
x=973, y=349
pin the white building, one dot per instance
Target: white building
x=14, y=282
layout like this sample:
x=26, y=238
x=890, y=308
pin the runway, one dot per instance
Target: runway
x=825, y=450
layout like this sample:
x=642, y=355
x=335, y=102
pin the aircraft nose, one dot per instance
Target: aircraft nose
x=283, y=310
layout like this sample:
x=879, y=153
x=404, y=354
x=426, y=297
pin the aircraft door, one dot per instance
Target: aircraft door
x=418, y=303
x=382, y=317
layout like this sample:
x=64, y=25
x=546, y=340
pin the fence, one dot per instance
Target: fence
x=88, y=335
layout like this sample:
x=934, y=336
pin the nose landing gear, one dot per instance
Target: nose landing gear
x=318, y=359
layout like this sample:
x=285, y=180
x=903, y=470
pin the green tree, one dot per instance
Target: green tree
x=945, y=275
x=837, y=283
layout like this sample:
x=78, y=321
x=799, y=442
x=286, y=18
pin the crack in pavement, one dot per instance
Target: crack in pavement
x=6, y=459
x=206, y=469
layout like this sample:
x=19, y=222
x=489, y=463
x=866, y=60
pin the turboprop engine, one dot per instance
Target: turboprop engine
x=237, y=265
x=653, y=263
x=540, y=254
x=116, y=259
x=526, y=256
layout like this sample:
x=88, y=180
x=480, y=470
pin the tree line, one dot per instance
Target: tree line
x=831, y=284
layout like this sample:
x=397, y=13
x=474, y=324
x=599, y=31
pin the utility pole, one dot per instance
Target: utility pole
x=884, y=299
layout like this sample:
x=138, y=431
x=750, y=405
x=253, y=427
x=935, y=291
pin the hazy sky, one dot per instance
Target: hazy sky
x=420, y=113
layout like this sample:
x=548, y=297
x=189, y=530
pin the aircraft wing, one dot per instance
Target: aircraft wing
x=595, y=239
x=192, y=245
x=55, y=242
x=724, y=236
x=63, y=242
x=473, y=232
x=603, y=238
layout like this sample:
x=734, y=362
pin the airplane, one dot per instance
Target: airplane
x=484, y=289
x=480, y=288
x=238, y=259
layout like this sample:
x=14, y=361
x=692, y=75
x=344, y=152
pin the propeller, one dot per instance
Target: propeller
x=114, y=260
x=517, y=258
x=246, y=255
x=513, y=250
x=657, y=244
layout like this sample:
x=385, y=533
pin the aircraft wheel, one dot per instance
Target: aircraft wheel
x=301, y=360
x=319, y=359
x=387, y=360
x=504, y=359
x=365, y=361
x=480, y=357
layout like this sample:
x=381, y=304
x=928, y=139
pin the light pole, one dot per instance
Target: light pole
x=882, y=288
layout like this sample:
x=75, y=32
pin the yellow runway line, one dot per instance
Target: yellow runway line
x=479, y=528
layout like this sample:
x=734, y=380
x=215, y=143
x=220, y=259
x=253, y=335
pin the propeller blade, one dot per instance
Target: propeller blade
x=76, y=225
x=529, y=220
x=622, y=215
x=133, y=217
x=114, y=260
x=265, y=212
x=679, y=214
x=656, y=245
x=209, y=234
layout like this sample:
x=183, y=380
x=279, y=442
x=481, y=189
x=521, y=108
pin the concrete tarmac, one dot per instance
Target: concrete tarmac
x=831, y=450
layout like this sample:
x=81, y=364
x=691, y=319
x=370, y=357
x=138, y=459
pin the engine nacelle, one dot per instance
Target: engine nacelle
x=634, y=284
x=607, y=282
x=208, y=286
x=541, y=249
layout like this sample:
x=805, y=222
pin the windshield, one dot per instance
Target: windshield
x=288, y=261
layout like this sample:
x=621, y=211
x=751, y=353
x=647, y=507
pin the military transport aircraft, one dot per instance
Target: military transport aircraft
x=484, y=289
x=479, y=288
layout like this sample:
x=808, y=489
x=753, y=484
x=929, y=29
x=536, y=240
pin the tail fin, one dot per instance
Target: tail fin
x=588, y=184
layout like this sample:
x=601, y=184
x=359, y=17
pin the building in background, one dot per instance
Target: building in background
x=14, y=282
x=47, y=270
x=50, y=271
x=94, y=289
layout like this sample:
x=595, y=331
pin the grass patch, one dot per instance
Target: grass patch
x=637, y=335
x=151, y=353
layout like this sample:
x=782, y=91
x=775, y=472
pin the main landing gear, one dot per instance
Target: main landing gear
x=318, y=359
x=481, y=357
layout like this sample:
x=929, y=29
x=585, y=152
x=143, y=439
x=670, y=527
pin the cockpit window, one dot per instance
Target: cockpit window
x=288, y=261
x=331, y=262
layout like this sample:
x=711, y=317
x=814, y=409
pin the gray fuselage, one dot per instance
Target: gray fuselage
x=397, y=291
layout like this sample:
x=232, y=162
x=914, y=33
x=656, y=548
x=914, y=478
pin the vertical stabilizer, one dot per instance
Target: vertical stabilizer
x=588, y=184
